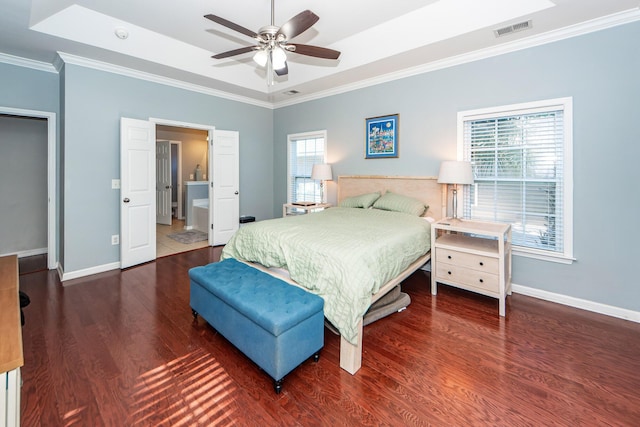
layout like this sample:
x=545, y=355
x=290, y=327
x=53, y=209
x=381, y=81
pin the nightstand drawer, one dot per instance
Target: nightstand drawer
x=466, y=276
x=472, y=255
x=463, y=259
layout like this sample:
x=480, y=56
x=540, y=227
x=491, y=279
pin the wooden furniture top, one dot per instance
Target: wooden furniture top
x=11, y=356
x=493, y=229
x=314, y=206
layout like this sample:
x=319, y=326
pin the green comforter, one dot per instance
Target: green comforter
x=344, y=255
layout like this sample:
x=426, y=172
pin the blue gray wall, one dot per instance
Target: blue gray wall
x=94, y=102
x=28, y=89
x=599, y=70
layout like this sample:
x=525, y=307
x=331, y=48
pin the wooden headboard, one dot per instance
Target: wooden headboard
x=423, y=188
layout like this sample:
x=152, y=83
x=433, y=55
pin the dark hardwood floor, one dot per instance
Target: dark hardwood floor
x=122, y=349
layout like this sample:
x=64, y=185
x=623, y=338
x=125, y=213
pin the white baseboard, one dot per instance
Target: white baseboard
x=596, y=307
x=87, y=271
x=30, y=252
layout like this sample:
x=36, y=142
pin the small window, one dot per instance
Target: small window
x=522, y=162
x=305, y=150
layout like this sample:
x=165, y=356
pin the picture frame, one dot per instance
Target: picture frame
x=381, y=136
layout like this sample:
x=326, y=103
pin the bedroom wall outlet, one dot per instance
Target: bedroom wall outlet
x=115, y=239
x=115, y=184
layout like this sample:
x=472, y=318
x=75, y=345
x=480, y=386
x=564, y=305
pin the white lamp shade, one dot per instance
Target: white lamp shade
x=321, y=172
x=261, y=57
x=455, y=172
x=279, y=58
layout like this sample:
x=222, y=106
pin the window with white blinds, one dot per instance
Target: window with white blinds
x=522, y=163
x=305, y=150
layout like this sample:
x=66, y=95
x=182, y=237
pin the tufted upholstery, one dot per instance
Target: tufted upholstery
x=273, y=304
x=277, y=325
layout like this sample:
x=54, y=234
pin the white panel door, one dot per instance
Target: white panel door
x=225, y=199
x=137, y=192
x=163, y=182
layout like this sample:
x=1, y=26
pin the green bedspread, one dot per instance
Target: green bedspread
x=344, y=255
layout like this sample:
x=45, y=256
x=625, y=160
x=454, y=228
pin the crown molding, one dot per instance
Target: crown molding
x=583, y=28
x=28, y=63
x=598, y=24
x=128, y=72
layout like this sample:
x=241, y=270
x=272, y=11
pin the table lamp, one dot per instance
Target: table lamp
x=321, y=172
x=455, y=172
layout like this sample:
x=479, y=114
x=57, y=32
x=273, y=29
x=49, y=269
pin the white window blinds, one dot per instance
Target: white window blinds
x=520, y=169
x=305, y=150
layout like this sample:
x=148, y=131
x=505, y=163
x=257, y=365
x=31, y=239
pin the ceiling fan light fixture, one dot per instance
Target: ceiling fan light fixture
x=279, y=58
x=273, y=42
x=261, y=57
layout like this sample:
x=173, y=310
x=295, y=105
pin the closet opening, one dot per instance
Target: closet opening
x=28, y=168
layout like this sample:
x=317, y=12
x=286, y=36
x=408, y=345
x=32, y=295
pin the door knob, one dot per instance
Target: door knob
x=167, y=187
x=126, y=200
x=235, y=193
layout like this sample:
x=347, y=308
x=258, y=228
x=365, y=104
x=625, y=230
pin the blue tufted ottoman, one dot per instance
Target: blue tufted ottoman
x=275, y=324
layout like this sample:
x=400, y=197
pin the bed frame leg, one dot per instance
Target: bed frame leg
x=350, y=354
x=277, y=386
x=195, y=314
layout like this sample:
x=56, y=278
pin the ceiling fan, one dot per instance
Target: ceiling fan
x=273, y=42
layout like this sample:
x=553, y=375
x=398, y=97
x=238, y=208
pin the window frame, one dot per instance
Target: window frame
x=301, y=136
x=566, y=104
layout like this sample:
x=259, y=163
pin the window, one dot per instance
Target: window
x=305, y=150
x=522, y=162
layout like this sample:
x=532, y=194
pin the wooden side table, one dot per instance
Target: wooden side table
x=11, y=354
x=291, y=208
x=472, y=255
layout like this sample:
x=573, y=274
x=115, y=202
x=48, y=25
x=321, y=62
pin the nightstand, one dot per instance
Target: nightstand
x=293, y=209
x=472, y=255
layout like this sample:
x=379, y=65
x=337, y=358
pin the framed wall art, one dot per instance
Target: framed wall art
x=382, y=136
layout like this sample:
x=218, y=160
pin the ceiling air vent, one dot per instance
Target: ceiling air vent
x=520, y=26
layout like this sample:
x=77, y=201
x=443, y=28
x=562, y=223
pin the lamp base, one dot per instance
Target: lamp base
x=455, y=202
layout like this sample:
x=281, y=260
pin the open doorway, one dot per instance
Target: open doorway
x=138, y=171
x=29, y=152
x=182, y=210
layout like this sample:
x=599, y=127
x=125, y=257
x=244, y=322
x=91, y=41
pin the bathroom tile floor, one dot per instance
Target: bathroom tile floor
x=166, y=246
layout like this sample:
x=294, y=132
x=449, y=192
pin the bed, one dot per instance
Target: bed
x=321, y=251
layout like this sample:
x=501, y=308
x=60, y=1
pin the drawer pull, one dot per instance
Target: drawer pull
x=448, y=272
x=449, y=256
x=481, y=281
x=481, y=263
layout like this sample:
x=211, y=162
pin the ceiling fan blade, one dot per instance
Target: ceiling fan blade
x=298, y=24
x=231, y=25
x=235, y=52
x=282, y=71
x=316, y=51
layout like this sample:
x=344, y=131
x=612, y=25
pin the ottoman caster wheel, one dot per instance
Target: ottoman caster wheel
x=316, y=357
x=277, y=386
x=195, y=314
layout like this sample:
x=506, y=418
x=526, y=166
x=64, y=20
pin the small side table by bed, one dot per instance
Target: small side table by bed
x=472, y=255
x=293, y=208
